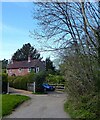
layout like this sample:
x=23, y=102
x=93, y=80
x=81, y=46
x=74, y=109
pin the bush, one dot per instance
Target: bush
x=4, y=82
x=4, y=70
x=20, y=82
x=39, y=78
x=86, y=108
x=55, y=79
x=10, y=80
x=16, y=83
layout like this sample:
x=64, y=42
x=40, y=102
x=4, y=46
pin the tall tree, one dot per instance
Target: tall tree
x=24, y=52
x=49, y=65
x=4, y=63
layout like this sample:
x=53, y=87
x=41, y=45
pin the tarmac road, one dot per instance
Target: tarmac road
x=42, y=106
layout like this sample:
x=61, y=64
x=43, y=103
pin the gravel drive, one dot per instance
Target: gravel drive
x=42, y=106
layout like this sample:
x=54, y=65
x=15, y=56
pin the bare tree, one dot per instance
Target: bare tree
x=73, y=28
x=65, y=23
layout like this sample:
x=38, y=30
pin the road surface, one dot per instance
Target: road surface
x=42, y=106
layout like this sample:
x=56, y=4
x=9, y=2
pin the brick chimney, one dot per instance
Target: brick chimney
x=29, y=58
x=11, y=61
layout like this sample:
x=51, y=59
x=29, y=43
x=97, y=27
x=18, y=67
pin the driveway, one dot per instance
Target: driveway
x=42, y=106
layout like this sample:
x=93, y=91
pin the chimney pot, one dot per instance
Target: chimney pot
x=29, y=59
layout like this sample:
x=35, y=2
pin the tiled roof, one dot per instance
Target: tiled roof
x=25, y=64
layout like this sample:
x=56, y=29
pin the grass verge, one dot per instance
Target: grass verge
x=10, y=102
x=83, y=111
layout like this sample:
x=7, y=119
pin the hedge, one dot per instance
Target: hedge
x=20, y=82
x=10, y=80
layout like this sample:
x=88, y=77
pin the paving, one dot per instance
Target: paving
x=41, y=106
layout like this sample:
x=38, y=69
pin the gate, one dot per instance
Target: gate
x=31, y=87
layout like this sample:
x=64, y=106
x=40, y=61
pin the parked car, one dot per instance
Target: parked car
x=48, y=87
x=39, y=89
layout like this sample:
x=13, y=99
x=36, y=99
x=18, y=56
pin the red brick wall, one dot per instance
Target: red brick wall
x=17, y=72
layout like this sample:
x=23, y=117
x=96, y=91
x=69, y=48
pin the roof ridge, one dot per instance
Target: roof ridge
x=27, y=60
x=19, y=64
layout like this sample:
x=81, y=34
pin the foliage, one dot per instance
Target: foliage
x=11, y=79
x=20, y=82
x=80, y=73
x=39, y=78
x=24, y=52
x=86, y=108
x=49, y=66
x=55, y=79
x=10, y=102
x=4, y=71
x=4, y=64
x=75, y=31
x=4, y=82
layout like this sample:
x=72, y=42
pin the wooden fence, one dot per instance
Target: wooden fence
x=30, y=86
x=58, y=86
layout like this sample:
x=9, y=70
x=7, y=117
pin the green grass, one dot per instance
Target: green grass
x=86, y=111
x=10, y=102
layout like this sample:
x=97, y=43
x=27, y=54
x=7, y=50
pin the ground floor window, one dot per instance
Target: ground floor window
x=31, y=69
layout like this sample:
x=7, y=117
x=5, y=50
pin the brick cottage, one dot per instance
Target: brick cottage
x=20, y=68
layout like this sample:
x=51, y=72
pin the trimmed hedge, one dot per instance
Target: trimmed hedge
x=20, y=82
x=10, y=80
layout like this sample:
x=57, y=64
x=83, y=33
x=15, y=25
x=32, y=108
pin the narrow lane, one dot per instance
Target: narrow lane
x=42, y=106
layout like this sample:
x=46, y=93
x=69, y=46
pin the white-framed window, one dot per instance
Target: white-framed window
x=28, y=69
x=20, y=70
x=37, y=69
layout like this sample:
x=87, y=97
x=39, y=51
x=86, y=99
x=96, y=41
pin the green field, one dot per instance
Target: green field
x=9, y=102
